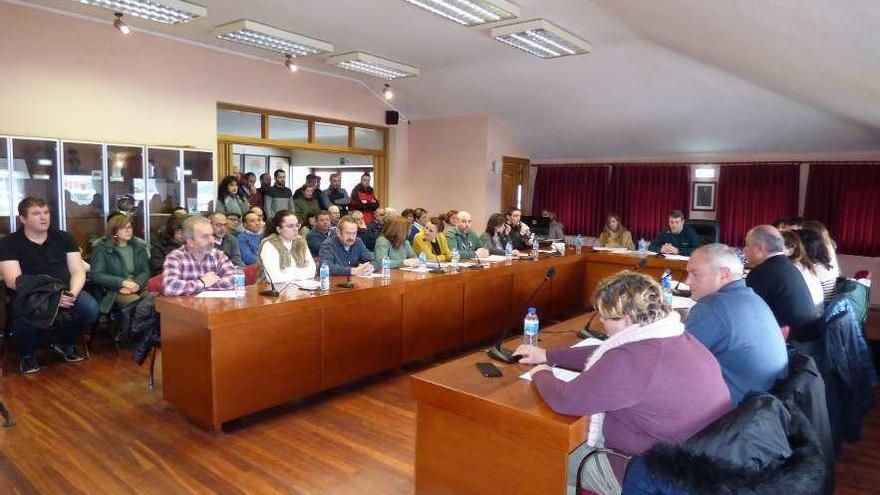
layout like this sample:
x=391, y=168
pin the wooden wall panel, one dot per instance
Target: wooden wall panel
x=433, y=319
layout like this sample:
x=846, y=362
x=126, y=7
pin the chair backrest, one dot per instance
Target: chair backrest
x=250, y=274
x=706, y=229
x=155, y=283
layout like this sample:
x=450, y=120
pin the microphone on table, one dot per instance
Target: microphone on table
x=499, y=353
x=479, y=265
x=347, y=284
x=587, y=332
x=439, y=268
x=273, y=292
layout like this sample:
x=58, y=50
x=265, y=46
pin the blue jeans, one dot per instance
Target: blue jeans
x=81, y=316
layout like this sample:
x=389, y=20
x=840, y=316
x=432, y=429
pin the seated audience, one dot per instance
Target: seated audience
x=363, y=199
x=249, y=239
x=817, y=251
x=223, y=241
x=451, y=220
x=650, y=382
x=421, y=218
x=335, y=215
x=197, y=265
x=306, y=203
x=284, y=255
x=259, y=211
x=378, y=222
x=775, y=278
x=364, y=233
x=392, y=243
x=615, y=235
x=235, y=226
x=520, y=234
x=678, y=239
x=556, y=230
x=170, y=239
x=432, y=242
x=734, y=323
x=312, y=181
x=320, y=233
x=228, y=199
x=794, y=249
x=497, y=235
x=409, y=214
x=120, y=265
x=464, y=239
x=336, y=195
x=344, y=253
x=311, y=220
x=37, y=249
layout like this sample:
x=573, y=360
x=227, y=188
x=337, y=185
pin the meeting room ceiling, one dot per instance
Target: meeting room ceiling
x=666, y=77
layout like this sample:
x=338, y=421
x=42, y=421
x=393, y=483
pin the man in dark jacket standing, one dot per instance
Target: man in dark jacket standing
x=37, y=249
x=776, y=279
x=278, y=197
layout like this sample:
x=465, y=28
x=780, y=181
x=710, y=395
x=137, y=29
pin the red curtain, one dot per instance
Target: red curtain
x=846, y=198
x=574, y=193
x=754, y=194
x=643, y=195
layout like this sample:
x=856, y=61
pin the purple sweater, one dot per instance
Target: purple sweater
x=656, y=390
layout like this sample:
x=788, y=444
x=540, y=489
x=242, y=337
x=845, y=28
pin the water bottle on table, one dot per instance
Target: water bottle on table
x=666, y=284
x=578, y=244
x=423, y=261
x=324, y=275
x=535, y=246
x=508, y=251
x=386, y=267
x=530, y=328
x=455, y=257
x=239, y=282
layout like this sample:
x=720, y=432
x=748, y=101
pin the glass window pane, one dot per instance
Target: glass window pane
x=126, y=187
x=84, y=191
x=36, y=173
x=288, y=129
x=324, y=174
x=280, y=163
x=297, y=176
x=5, y=224
x=333, y=134
x=198, y=179
x=163, y=186
x=369, y=138
x=353, y=178
x=235, y=123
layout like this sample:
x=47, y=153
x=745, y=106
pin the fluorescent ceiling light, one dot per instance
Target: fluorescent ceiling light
x=704, y=173
x=542, y=39
x=470, y=12
x=164, y=11
x=372, y=65
x=266, y=37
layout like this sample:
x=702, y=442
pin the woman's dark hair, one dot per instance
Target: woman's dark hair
x=396, y=230
x=439, y=222
x=450, y=214
x=274, y=222
x=798, y=254
x=313, y=214
x=174, y=223
x=814, y=247
x=408, y=212
x=223, y=190
x=419, y=213
x=495, y=220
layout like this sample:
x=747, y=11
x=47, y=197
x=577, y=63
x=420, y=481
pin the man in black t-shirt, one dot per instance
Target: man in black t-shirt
x=37, y=249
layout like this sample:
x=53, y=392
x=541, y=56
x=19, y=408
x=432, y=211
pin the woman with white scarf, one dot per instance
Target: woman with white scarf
x=650, y=382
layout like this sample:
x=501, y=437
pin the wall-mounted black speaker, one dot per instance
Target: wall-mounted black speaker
x=392, y=117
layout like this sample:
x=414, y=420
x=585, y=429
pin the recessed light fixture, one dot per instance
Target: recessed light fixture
x=372, y=65
x=387, y=93
x=266, y=37
x=120, y=25
x=164, y=11
x=704, y=173
x=470, y=12
x=288, y=62
x=542, y=39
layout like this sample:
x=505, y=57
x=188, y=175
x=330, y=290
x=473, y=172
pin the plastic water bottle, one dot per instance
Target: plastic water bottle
x=324, y=275
x=423, y=261
x=666, y=284
x=386, y=268
x=508, y=251
x=643, y=245
x=535, y=253
x=578, y=244
x=530, y=328
x=238, y=280
x=455, y=257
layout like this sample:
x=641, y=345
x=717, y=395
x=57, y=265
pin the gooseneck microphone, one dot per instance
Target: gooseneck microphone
x=439, y=268
x=499, y=353
x=269, y=292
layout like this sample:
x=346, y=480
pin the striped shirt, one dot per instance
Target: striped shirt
x=182, y=272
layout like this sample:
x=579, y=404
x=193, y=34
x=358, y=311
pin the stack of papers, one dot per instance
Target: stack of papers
x=679, y=302
x=677, y=257
x=306, y=285
x=217, y=294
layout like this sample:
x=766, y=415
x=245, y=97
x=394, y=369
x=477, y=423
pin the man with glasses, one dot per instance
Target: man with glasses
x=223, y=240
x=197, y=265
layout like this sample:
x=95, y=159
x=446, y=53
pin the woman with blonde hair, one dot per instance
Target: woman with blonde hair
x=284, y=254
x=393, y=244
x=615, y=235
x=432, y=242
x=631, y=409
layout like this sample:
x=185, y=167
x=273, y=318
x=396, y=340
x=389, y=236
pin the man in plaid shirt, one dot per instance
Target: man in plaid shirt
x=197, y=265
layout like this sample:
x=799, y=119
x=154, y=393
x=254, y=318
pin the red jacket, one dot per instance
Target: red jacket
x=364, y=200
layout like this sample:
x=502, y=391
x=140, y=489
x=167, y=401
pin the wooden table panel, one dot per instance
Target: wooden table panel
x=567, y=287
x=186, y=356
x=525, y=280
x=487, y=302
x=433, y=319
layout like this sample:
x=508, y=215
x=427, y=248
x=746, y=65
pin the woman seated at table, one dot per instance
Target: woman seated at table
x=120, y=265
x=817, y=251
x=615, y=235
x=432, y=242
x=794, y=249
x=284, y=254
x=650, y=382
x=392, y=243
x=497, y=235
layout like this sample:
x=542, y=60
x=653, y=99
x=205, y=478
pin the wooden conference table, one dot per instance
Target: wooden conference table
x=226, y=358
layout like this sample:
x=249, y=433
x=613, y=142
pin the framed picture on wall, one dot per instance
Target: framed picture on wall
x=279, y=162
x=704, y=196
x=237, y=161
x=255, y=164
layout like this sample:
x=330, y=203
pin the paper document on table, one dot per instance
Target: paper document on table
x=679, y=302
x=415, y=269
x=493, y=258
x=561, y=373
x=587, y=343
x=217, y=294
x=677, y=257
x=682, y=286
x=371, y=275
x=307, y=285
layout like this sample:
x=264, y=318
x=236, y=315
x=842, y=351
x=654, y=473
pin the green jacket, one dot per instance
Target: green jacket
x=303, y=206
x=396, y=256
x=108, y=269
x=467, y=244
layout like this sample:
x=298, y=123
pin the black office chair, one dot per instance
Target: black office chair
x=706, y=229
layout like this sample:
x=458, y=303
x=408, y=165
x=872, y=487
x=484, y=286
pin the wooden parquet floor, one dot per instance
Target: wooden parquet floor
x=95, y=428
